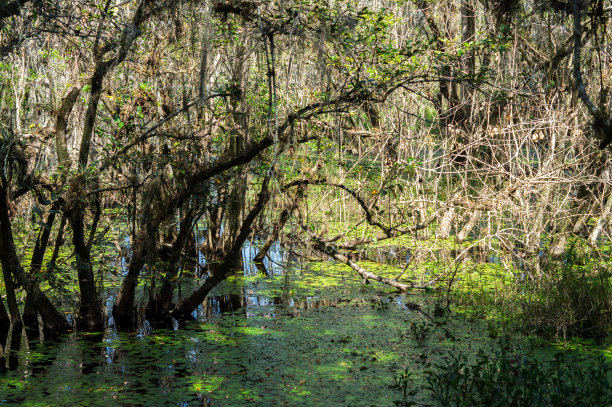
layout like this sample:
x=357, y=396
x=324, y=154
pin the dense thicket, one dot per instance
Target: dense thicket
x=198, y=125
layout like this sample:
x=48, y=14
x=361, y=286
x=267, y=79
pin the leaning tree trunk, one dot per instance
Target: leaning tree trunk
x=30, y=315
x=283, y=218
x=228, y=260
x=472, y=221
x=186, y=306
x=53, y=321
x=272, y=237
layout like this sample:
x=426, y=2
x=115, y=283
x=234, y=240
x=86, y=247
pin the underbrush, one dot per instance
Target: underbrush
x=510, y=381
x=566, y=298
x=572, y=297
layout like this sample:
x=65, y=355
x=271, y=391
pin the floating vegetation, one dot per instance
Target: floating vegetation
x=278, y=339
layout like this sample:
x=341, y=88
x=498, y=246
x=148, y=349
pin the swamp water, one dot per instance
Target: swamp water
x=303, y=335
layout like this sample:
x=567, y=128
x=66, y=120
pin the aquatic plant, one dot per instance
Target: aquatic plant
x=572, y=296
x=507, y=380
x=381, y=304
x=419, y=331
x=402, y=382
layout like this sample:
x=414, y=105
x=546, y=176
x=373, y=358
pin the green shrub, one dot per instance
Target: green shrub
x=572, y=297
x=507, y=381
x=419, y=331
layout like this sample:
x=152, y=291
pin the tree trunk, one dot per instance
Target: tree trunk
x=228, y=260
x=30, y=315
x=549, y=168
x=468, y=61
x=61, y=144
x=186, y=306
x=124, y=312
x=206, y=38
x=558, y=247
x=4, y=331
x=474, y=218
x=533, y=238
x=582, y=213
x=155, y=212
x=54, y=321
x=444, y=226
x=283, y=218
x=272, y=237
x=160, y=303
x=9, y=286
x=30, y=320
x=4, y=316
x=361, y=271
x=91, y=315
x=16, y=334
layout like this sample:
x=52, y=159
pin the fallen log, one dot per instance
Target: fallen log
x=365, y=273
x=321, y=247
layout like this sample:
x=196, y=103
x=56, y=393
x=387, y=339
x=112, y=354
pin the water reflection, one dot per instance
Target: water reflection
x=275, y=262
x=215, y=305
